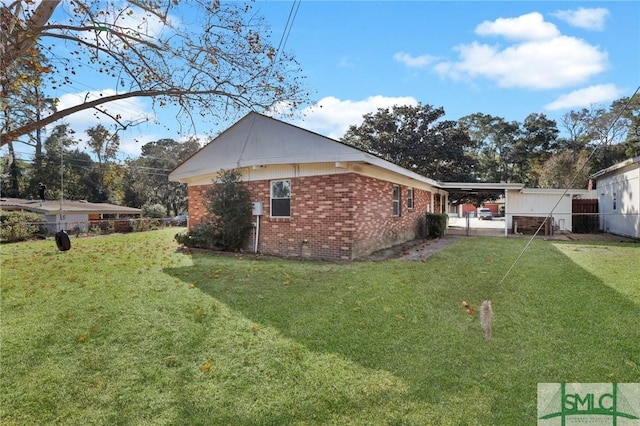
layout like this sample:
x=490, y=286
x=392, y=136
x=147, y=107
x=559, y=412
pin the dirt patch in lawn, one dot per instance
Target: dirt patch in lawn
x=412, y=250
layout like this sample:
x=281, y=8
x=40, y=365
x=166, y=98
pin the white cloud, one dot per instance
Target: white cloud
x=525, y=27
x=131, y=109
x=332, y=116
x=413, y=61
x=590, y=19
x=584, y=98
x=544, y=59
x=131, y=146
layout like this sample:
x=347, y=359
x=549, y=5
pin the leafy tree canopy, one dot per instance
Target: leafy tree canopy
x=418, y=139
x=147, y=177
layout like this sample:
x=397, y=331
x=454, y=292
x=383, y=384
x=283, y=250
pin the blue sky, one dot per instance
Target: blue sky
x=506, y=59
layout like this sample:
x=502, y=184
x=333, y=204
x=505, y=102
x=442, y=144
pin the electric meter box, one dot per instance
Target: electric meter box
x=256, y=208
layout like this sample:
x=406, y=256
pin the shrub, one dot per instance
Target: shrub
x=18, y=225
x=436, y=224
x=154, y=210
x=230, y=206
x=200, y=236
x=146, y=224
x=230, y=223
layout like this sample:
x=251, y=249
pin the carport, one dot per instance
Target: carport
x=484, y=189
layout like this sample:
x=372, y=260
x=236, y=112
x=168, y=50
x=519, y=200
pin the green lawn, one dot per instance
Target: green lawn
x=125, y=329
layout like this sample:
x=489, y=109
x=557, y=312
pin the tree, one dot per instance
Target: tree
x=579, y=134
x=631, y=114
x=607, y=134
x=493, y=139
x=608, y=128
x=12, y=176
x=230, y=206
x=82, y=178
x=565, y=169
x=416, y=138
x=21, y=102
x=66, y=172
x=220, y=63
x=147, y=177
x=104, y=145
x=533, y=147
x=47, y=167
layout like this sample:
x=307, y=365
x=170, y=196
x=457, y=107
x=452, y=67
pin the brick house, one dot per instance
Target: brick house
x=316, y=197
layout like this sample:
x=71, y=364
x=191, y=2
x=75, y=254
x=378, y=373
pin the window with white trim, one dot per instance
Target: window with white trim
x=281, y=198
x=396, y=200
x=410, y=198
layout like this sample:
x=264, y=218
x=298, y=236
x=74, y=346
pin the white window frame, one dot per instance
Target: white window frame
x=272, y=198
x=410, y=198
x=397, y=197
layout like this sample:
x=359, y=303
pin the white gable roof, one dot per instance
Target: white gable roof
x=258, y=140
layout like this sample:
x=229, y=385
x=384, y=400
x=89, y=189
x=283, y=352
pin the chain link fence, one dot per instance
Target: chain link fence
x=13, y=231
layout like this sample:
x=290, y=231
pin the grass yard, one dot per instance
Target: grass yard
x=125, y=329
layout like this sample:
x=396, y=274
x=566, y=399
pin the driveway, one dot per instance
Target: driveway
x=458, y=226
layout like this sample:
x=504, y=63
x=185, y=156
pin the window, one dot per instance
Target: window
x=614, y=201
x=396, y=200
x=281, y=198
x=410, y=198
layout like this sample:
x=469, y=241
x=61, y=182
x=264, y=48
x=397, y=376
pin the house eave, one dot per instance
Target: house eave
x=356, y=158
x=615, y=167
x=54, y=207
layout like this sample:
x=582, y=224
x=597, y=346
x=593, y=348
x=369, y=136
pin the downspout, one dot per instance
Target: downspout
x=506, y=217
x=255, y=243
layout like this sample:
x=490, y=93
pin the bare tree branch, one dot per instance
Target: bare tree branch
x=218, y=59
x=28, y=128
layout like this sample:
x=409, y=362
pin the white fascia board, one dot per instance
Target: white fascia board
x=554, y=191
x=484, y=186
x=615, y=167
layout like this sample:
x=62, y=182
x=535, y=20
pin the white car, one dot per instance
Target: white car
x=485, y=214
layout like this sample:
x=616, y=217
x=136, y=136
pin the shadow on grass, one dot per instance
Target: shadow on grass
x=402, y=323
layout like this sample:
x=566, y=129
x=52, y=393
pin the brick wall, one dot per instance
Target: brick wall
x=334, y=217
x=197, y=208
x=321, y=224
x=376, y=227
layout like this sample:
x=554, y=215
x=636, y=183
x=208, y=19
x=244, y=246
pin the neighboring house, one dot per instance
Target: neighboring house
x=618, y=189
x=315, y=197
x=68, y=215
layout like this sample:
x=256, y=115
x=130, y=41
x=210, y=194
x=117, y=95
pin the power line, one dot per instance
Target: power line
x=287, y=28
x=293, y=12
